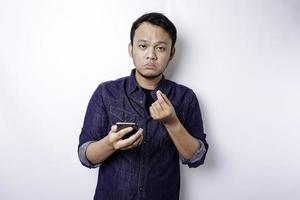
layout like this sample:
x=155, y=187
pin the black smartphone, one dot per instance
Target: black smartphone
x=121, y=125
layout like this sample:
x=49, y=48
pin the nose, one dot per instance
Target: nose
x=151, y=55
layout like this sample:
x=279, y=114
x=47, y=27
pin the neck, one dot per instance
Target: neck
x=147, y=83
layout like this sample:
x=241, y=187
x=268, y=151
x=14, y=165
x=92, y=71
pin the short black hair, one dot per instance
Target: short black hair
x=157, y=19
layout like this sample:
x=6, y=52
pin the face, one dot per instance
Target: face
x=151, y=51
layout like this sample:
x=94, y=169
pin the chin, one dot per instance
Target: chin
x=151, y=75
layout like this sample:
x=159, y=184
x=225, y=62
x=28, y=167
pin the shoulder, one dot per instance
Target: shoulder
x=113, y=84
x=112, y=88
x=179, y=89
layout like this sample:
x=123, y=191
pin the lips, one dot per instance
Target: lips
x=150, y=65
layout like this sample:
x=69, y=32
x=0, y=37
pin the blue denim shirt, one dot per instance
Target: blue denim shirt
x=151, y=170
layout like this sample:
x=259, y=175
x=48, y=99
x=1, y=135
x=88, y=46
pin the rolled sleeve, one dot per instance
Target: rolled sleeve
x=94, y=126
x=194, y=125
x=196, y=158
x=83, y=158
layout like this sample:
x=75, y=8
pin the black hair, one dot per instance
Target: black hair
x=157, y=19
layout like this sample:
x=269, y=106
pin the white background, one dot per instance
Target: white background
x=240, y=57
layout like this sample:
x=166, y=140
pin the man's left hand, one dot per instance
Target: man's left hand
x=163, y=110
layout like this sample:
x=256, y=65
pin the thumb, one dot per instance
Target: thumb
x=114, y=128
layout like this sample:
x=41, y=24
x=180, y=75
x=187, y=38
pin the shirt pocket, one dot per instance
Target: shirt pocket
x=121, y=115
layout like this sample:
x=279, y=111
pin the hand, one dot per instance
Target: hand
x=117, y=143
x=163, y=110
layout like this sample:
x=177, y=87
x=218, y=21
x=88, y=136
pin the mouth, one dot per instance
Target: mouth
x=150, y=65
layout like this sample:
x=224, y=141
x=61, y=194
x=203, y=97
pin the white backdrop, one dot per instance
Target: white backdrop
x=240, y=57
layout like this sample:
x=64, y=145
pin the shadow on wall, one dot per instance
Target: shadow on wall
x=172, y=69
x=211, y=157
x=210, y=164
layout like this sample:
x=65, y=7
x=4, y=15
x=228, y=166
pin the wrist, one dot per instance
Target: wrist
x=172, y=122
x=109, y=144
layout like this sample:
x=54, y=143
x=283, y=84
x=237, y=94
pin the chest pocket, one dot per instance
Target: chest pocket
x=121, y=115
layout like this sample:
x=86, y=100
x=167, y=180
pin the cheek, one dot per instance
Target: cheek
x=138, y=55
x=165, y=59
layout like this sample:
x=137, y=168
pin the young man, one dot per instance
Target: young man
x=146, y=164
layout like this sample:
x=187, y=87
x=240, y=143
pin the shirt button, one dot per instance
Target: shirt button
x=141, y=188
x=141, y=102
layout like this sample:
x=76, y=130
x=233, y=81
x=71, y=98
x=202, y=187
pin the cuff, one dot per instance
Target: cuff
x=82, y=155
x=197, y=155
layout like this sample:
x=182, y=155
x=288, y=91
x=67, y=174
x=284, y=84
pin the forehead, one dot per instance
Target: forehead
x=151, y=33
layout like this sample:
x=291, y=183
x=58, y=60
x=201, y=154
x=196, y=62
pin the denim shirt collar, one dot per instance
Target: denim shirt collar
x=133, y=85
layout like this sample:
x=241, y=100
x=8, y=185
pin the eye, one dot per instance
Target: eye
x=161, y=49
x=142, y=46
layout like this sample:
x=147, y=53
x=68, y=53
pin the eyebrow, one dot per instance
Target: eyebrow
x=159, y=42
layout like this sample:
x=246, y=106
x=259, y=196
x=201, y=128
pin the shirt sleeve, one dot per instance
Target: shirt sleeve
x=196, y=157
x=194, y=125
x=94, y=126
x=83, y=158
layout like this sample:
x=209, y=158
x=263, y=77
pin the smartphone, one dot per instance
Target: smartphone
x=121, y=125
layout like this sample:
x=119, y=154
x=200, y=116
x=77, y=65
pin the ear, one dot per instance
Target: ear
x=130, y=49
x=172, y=53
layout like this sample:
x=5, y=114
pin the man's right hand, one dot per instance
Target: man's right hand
x=117, y=143
x=98, y=151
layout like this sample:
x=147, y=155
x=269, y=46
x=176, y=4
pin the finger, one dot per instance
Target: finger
x=128, y=144
x=114, y=128
x=123, y=132
x=125, y=144
x=158, y=106
x=167, y=103
x=160, y=97
x=138, y=141
x=164, y=97
x=132, y=141
x=134, y=137
x=135, y=143
x=137, y=135
x=141, y=139
x=157, y=109
x=152, y=113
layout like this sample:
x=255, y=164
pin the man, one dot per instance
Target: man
x=146, y=164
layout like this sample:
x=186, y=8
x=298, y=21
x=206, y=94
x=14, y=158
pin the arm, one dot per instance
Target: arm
x=98, y=151
x=185, y=143
x=163, y=110
x=95, y=145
